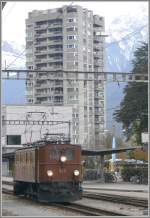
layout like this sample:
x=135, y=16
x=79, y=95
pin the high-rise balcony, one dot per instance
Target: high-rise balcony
x=41, y=51
x=42, y=77
x=55, y=50
x=42, y=95
x=98, y=67
x=100, y=120
x=40, y=27
x=58, y=94
x=54, y=59
x=99, y=106
x=58, y=103
x=42, y=43
x=55, y=32
x=42, y=61
x=56, y=42
x=41, y=35
x=97, y=62
x=97, y=53
x=41, y=86
x=54, y=68
x=38, y=61
x=53, y=25
x=100, y=97
x=97, y=39
x=96, y=48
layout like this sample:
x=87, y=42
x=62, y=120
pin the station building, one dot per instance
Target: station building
x=23, y=124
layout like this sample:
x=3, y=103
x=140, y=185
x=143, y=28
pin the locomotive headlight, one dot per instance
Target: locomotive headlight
x=76, y=172
x=63, y=158
x=49, y=173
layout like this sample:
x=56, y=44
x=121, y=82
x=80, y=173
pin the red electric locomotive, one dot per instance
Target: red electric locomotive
x=49, y=171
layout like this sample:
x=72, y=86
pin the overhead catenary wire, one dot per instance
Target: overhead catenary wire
x=127, y=36
x=16, y=59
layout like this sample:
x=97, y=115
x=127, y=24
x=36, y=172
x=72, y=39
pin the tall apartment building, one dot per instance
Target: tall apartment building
x=68, y=39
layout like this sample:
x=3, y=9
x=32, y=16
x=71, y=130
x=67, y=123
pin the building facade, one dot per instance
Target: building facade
x=68, y=39
x=22, y=124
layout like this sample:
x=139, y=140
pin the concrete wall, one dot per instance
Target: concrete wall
x=31, y=133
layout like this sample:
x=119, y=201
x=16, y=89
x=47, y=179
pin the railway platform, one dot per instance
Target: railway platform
x=120, y=188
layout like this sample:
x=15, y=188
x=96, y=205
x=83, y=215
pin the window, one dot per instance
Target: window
x=84, y=41
x=29, y=25
x=72, y=29
x=70, y=154
x=71, y=37
x=70, y=20
x=54, y=154
x=30, y=67
x=70, y=89
x=71, y=46
x=29, y=34
x=71, y=9
x=13, y=139
x=75, y=63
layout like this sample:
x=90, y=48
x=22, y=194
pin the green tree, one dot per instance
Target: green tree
x=133, y=112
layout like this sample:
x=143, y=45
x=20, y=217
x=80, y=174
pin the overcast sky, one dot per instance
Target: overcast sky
x=15, y=13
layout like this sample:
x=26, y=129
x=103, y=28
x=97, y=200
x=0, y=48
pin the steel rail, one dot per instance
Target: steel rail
x=117, y=199
x=90, y=211
x=109, y=197
x=85, y=210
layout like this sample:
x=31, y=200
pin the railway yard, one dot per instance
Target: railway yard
x=113, y=199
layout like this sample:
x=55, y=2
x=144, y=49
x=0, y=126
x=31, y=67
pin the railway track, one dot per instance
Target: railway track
x=109, y=197
x=117, y=199
x=90, y=211
x=85, y=210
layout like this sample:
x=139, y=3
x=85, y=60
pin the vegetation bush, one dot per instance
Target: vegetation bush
x=129, y=171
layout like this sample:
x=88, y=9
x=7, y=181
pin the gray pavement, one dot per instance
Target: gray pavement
x=14, y=206
x=120, y=188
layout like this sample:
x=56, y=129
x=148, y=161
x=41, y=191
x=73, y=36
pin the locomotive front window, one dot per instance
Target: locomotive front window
x=70, y=154
x=54, y=154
